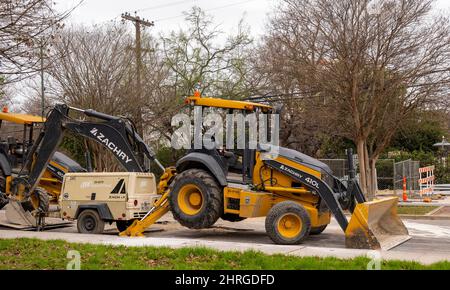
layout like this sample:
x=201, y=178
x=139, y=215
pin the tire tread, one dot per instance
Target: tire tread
x=214, y=208
x=277, y=211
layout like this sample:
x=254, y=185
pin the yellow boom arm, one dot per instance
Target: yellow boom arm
x=137, y=229
x=159, y=209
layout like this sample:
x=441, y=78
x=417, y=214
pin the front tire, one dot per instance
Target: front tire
x=288, y=223
x=89, y=222
x=196, y=200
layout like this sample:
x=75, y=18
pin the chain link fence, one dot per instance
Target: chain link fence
x=389, y=173
x=338, y=166
x=385, y=174
x=410, y=170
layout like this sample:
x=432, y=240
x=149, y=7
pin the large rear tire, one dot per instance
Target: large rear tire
x=196, y=200
x=39, y=201
x=288, y=223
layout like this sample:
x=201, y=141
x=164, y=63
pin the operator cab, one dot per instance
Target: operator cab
x=17, y=135
x=236, y=162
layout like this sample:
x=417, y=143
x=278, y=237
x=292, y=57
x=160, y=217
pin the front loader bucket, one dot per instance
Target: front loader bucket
x=376, y=225
x=15, y=214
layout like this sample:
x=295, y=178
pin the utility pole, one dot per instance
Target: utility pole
x=138, y=23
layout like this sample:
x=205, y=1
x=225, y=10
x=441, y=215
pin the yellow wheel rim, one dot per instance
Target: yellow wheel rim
x=289, y=225
x=190, y=199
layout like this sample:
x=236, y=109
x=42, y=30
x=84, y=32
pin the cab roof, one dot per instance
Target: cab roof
x=21, y=118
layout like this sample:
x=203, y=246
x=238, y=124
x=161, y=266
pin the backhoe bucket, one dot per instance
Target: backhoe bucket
x=15, y=214
x=376, y=225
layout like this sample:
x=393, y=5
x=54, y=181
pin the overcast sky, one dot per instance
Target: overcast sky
x=168, y=14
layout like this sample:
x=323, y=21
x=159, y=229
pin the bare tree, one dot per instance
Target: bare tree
x=95, y=72
x=197, y=54
x=25, y=25
x=363, y=66
x=200, y=53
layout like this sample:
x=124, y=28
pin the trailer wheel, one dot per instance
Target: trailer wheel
x=288, y=223
x=196, y=200
x=89, y=222
x=317, y=230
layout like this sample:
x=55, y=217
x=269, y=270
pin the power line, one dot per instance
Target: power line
x=180, y=15
x=207, y=10
x=230, y=5
x=170, y=4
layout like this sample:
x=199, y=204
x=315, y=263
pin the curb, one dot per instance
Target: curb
x=420, y=203
x=435, y=211
x=419, y=217
x=429, y=216
x=425, y=217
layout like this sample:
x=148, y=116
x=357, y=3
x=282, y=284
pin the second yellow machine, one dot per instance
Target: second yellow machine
x=296, y=193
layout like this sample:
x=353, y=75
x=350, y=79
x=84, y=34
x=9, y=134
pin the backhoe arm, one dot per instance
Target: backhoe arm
x=113, y=133
x=138, y=227
x=160, y=208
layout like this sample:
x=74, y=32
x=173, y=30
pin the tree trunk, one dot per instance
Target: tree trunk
x=367, y=170
x=368, y=173
x=373, y=185
x=362, y=165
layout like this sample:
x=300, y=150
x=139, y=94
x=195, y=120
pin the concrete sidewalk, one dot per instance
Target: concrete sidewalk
x=301, y=251
x=430, y=241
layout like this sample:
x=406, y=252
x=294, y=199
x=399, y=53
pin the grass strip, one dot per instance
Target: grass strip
x=39, y=254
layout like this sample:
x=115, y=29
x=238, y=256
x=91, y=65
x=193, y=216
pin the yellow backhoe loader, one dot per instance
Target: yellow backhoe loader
x=17, y=136
x=25, y=194
x=296, y=193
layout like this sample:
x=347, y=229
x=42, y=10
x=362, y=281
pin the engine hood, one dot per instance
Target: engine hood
x=303, y=159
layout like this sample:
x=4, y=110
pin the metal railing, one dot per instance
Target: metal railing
x=443, y=189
